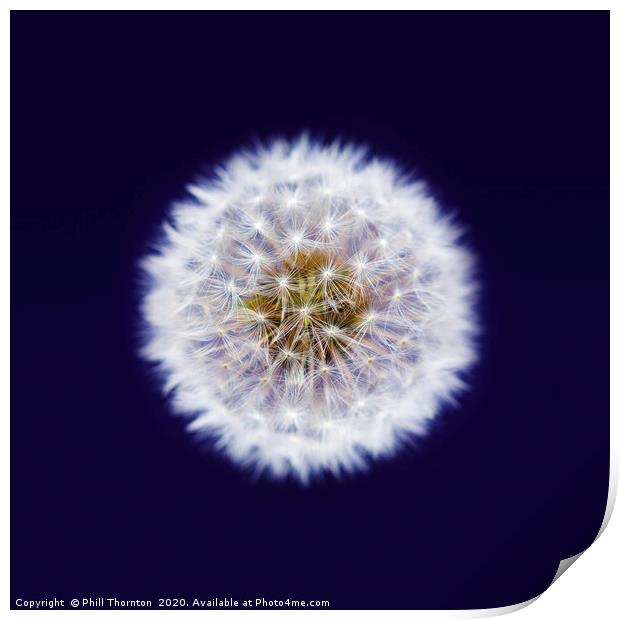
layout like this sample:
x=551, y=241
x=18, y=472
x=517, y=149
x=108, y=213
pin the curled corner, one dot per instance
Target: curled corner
x=564, y=565
x=567, y=562
x=609, y=508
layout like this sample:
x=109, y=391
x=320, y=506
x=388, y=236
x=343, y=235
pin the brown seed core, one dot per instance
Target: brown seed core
x=307, y=310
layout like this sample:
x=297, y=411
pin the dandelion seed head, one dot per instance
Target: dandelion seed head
x=310, y=309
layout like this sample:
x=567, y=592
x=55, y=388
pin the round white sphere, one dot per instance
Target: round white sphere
x=310, y=308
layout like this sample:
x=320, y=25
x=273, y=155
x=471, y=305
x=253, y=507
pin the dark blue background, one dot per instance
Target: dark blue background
x=506, y=114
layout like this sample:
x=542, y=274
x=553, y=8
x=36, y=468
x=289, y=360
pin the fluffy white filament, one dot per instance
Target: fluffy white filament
x=310, y=308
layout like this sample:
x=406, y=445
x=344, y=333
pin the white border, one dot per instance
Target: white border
x=591, y=588
x=198, y=5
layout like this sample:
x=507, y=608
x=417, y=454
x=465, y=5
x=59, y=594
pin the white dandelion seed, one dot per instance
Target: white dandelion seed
x=310, y=309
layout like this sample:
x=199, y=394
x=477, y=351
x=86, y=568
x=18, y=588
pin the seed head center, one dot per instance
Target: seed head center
x=313, y=307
